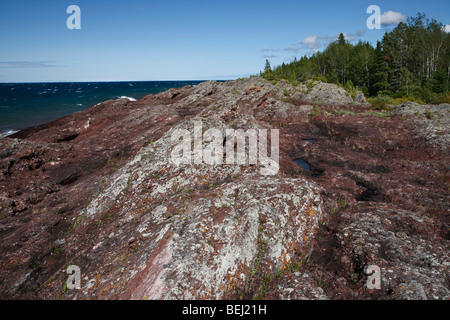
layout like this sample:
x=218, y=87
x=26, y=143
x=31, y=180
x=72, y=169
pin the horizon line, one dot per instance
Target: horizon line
x=87, y=81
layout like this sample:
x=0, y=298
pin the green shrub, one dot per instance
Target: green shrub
x=429, y=114
x=346, y=112
x=381, y=102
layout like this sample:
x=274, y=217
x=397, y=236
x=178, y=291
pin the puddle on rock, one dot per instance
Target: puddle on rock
x=303, y=164
x=315, y=173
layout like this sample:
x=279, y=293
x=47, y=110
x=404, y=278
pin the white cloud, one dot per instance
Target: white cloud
x=270, y=50
x=391, y=18
x=349, y=36
x=447, y=28
x=361, y=32
x=292, y=48
x=268, y=56
x=353, y=36
x=27, y=64
x=314, y=43
x=311, y=40
x=290, y=59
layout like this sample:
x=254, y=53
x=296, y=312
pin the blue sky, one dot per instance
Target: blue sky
x=178, y=40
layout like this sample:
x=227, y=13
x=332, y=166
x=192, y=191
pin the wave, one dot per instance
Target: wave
x=8, y=133
x=129, y=98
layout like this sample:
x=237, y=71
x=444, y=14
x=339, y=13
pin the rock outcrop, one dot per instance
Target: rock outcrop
x=431, y=122
x=354, y=188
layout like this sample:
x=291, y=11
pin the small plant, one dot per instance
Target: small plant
x=342, y=204
x=293, y=82
x=320, y=282
x=310, y=85
x=58, y=249
x=346, y=112
x=78, y=221
x=377, y=114
x=266, y=279
x=293, y=266
x=429, y=114
x=104, y=218
x=315, y=112
x=127, y=187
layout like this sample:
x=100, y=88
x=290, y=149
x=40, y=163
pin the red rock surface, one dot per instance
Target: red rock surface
x=96, y=189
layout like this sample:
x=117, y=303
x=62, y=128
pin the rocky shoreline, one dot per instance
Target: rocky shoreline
x=96, y=189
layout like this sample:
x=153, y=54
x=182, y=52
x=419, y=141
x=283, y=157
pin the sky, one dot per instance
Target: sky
x=140, y=40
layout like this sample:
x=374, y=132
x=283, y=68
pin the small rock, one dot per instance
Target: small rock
x=360, y=98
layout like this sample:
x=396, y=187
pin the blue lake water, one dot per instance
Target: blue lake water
x=29, y=104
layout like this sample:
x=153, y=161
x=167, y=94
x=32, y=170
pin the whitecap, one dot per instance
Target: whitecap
x=129, y=98
x=8, y=133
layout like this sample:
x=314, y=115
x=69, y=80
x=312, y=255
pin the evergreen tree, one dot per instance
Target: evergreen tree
x=267, y=67
x=341, y=39
x=413, y=60
x=381, y=70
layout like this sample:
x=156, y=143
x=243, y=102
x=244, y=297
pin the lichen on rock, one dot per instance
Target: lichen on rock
x=98, y=189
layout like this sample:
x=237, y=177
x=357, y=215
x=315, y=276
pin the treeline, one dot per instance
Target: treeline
x=412, y=60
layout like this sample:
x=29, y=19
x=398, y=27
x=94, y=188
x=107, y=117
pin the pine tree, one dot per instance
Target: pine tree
x=267, y=67
x=341, y=39
x=381, y=71
x=413, y=59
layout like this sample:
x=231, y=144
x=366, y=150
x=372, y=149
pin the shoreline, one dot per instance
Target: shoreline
x=32, y=104
x=355, y=187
